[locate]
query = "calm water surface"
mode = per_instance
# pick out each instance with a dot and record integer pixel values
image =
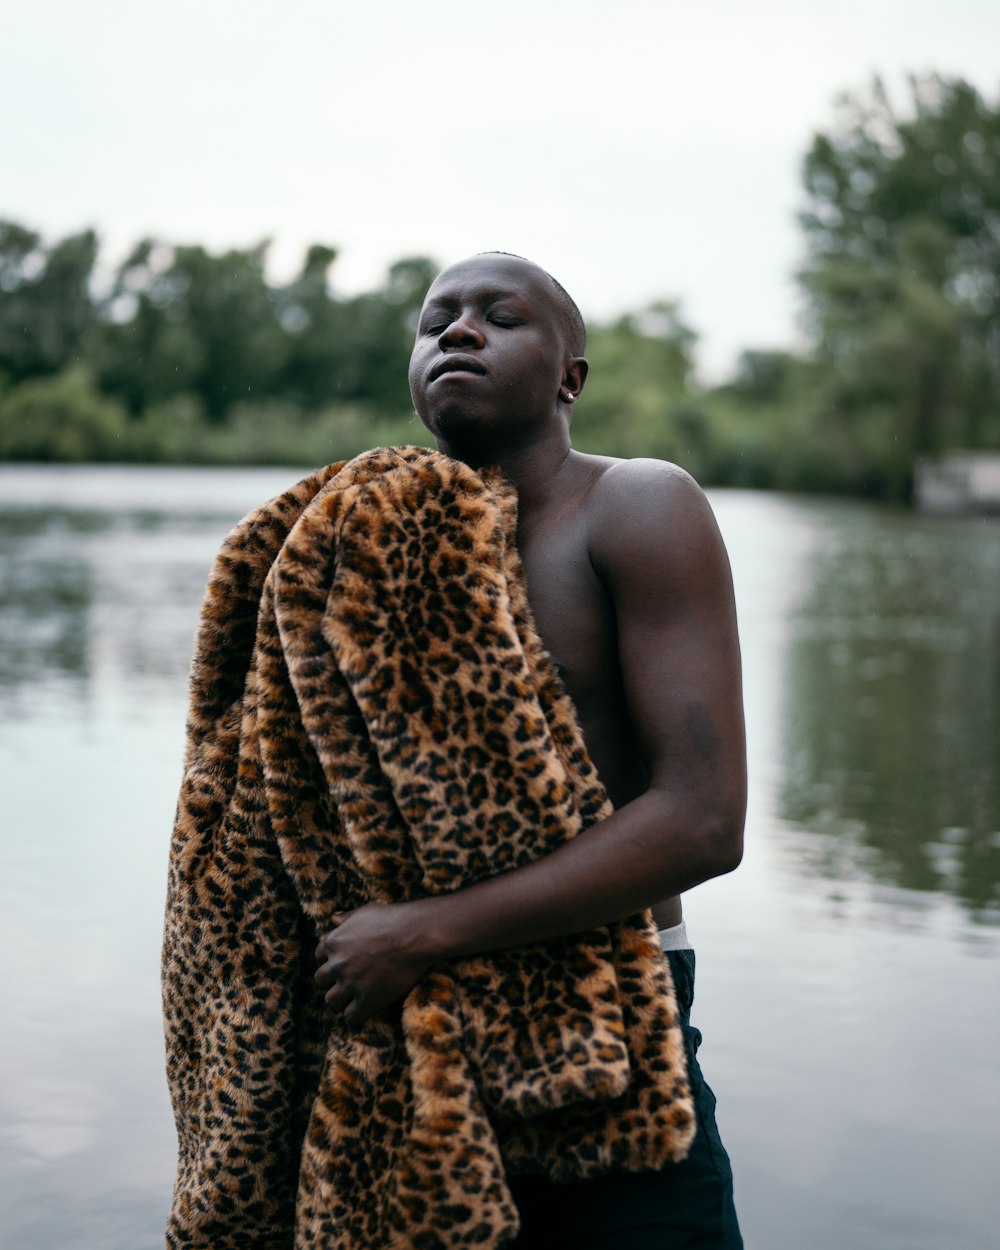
(849, 973)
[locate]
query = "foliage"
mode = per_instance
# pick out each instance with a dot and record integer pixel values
(60, 418)
(47, 317)
(903, 276)
(640, 368)
(185, 355)
(180, 320)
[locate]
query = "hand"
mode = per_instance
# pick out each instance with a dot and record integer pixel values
(372, 958)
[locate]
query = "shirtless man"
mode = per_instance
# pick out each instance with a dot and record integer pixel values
(631, 591)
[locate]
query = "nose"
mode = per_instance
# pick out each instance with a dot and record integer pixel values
(462, 332)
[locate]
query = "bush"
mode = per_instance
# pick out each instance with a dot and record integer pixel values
(62, 417)
(172, 432)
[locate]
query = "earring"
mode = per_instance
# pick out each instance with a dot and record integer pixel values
(569, 396)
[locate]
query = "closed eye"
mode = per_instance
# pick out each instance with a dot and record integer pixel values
(437, 318)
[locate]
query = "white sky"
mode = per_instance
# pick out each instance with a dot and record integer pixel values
(638, 150)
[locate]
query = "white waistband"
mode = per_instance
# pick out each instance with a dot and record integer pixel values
(675, 938)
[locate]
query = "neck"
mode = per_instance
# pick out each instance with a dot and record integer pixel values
(532, 467)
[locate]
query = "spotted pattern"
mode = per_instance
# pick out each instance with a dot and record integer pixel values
(373, 716)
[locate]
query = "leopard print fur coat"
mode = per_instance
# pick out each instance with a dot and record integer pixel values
(373, 717)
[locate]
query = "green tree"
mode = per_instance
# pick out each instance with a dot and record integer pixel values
(182, 320)
(640, 369)
(47, 316)
(60, 417)
(313, 322)
(352, 350)
(902, 225)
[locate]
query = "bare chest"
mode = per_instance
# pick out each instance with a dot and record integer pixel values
(572, 611)
(575, 618)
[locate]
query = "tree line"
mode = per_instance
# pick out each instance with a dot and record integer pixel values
(181, 354)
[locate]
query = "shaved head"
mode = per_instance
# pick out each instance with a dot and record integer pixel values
(571, 319)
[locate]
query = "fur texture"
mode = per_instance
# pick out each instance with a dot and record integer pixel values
(373, 717)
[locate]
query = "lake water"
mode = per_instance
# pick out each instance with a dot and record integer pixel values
(849, 972)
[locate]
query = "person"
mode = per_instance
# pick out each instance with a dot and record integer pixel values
(630, 587)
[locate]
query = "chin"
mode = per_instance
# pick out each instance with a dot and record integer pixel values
(456, 423)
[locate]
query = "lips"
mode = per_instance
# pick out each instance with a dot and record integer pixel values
(456, 364)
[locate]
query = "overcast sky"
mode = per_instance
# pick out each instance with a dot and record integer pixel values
(638, 150)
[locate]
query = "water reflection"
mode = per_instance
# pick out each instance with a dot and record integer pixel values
(45, 597)
(892, 716)
(101, 572)
(871, 649)
(86, 598)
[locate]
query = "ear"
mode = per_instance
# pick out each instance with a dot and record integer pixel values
(573, 380)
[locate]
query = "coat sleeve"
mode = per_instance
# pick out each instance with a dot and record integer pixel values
(235, 992)
(237, 951)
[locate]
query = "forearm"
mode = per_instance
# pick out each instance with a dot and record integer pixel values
(648, 850)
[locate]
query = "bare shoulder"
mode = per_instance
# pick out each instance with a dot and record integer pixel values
(646, 510)
(643, 483)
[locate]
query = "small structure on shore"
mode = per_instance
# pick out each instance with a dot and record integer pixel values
(960, 482)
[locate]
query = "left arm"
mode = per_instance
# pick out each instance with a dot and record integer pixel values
(657, 548)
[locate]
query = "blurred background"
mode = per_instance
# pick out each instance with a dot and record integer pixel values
(216, 227)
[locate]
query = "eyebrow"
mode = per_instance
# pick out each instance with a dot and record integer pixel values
(488, 296)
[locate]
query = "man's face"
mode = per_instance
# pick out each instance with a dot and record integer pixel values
(490, 352)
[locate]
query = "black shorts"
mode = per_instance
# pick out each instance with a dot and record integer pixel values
(685, 1205)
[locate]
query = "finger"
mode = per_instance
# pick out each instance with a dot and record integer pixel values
(354, 1014)
(339, 998)
(320, 952)
(322, 947)
(325, 976)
